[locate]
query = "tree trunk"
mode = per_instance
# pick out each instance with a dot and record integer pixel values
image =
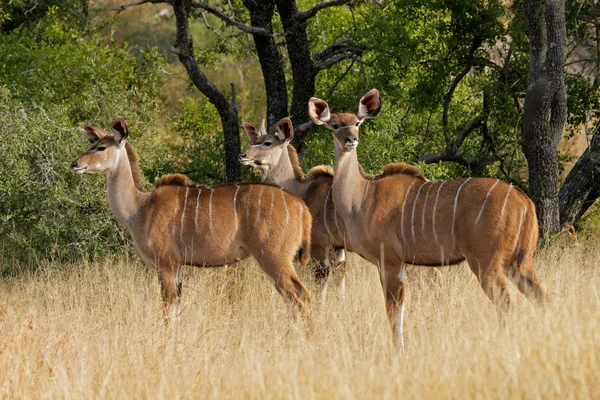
(582, 186)
(545, 108)
(261, 15)
(184, 48)
(303, 68)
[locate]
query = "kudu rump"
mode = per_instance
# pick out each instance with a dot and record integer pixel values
(411, 220)
(278, 164)
(179, 223)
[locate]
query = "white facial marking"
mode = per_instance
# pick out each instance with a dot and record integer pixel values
(248, 206)
(259, 200)
(197, 204)
(237, 189)
(454, 213)
(412, 220)
(505, 200)
(176, 209)
(325, 212)
(424, 208)
(98, 166)
(403, 207)
(210, 209)
(287, 212)
(485, 201)
(437, 197)
(187, 188)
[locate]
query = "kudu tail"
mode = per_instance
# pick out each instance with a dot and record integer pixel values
(306, 235)
(522, 271)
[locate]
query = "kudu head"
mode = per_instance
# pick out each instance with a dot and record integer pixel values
(104, 153)
(345, 125)
(266, 149)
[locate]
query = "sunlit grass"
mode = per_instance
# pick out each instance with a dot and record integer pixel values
(95, 331)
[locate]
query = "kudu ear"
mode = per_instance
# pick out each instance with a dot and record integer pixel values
(318, 111)
(92, 133)
(369, 105)
(285, 130)
(119, 130)
(252, 133)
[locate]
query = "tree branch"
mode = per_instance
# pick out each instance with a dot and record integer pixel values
(138, 3)
(321, 6)
(340, 50)
(225, 18)
(473, 167)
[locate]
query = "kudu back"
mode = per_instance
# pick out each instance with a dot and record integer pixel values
(179, 223)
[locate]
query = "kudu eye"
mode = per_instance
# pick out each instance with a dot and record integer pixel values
(101, 148)
(357, 124)
(268, 144)
(335, 126)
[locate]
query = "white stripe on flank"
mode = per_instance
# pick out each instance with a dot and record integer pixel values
(248, 206)
(183, 213)
(521, 226)
(176, 209)
(486, 199)
(197, 205)
(259, 200)
(403, 207)
(437, 197)
(424, 208)
(234, 205)
(505, 200)
(454, 213)
(272, 204)
(287, 212)
(412, 219)
(325, 212)
(210, 209)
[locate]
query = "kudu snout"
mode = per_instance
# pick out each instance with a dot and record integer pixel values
(242, 157)
(351, 141)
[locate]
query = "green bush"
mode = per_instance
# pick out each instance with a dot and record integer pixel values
(52, 79)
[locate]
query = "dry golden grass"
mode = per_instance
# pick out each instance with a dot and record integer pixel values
(95, 331)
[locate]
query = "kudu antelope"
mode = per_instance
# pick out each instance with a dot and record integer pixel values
(409, 219)
(181, 224)
(277, 161)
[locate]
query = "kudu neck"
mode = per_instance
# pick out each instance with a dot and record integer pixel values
(124, 199)
(349, 185)
(285, 173)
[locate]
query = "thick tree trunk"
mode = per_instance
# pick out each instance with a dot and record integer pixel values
(261, 15)
(545, 107)
(303, 68)
(184, 48)
(582, 186)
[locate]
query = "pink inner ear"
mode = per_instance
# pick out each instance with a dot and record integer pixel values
(251, 131)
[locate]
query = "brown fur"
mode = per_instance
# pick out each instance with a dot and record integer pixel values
(320, 171)
(134, 163)
(173, 180)
(178, 224)
(410, 220)
(402, 168)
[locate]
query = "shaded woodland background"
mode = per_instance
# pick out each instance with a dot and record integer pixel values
(454, 76)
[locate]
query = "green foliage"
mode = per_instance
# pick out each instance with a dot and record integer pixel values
(52, 79)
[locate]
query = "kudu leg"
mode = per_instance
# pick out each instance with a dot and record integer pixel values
(525, 279)
(170, 289)
(322, 262)
(395, 291)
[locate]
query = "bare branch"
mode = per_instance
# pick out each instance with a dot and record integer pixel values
(321, 6)
(340, 50)
(138, 3)
(246, 28)
(473, 167)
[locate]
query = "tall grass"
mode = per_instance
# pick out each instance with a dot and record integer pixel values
(95, 331)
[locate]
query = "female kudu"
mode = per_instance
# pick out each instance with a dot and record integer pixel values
(278, 164)
(179, 223)
(409, 219)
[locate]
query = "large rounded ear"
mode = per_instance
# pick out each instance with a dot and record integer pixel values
(285, 130)
(318, 111)
(119, 130)
(369, 105)
(252, 133)
(92, 133)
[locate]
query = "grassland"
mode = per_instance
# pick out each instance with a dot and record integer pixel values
(95, 331)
